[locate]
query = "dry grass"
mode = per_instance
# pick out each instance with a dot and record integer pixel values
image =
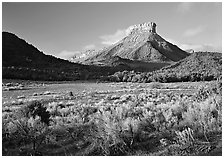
(143, 121)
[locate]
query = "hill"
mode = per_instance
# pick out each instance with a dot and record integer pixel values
(17, 52)
(199, 61)
(199, 66)
(21, 60)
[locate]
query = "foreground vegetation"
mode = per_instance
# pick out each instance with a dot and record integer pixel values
(137, 121)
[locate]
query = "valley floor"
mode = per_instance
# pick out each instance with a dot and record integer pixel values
(12, 90)
(88, 118)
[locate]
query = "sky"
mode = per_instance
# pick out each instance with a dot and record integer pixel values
(66, 29)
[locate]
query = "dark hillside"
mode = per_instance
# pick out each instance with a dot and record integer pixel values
(21, 60)
(199, 66)
(17, 52)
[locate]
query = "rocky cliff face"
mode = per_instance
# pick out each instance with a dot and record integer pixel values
(144, 27)
(142, 43)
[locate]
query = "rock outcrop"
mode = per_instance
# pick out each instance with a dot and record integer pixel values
(141, 28)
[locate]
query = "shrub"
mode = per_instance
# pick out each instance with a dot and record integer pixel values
(36, 108)
(25, 131)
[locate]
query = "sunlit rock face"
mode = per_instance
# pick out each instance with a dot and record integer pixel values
(141, 28)
(141, 43)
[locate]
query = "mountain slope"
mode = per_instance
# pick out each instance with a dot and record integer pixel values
(142, 43)
(17, 52)
(21, 60)
(198, 62)
(199, 66)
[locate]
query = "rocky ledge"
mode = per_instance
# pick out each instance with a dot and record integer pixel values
(144, 27)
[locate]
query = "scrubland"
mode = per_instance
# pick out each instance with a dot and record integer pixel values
(110, 119)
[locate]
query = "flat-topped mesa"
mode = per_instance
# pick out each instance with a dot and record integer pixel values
(144, 27)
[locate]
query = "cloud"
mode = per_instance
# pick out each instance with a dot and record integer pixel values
(193, 31)
(196, 47)
(90, 46)
(113, 38)
(67, 54)
(184, 7)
